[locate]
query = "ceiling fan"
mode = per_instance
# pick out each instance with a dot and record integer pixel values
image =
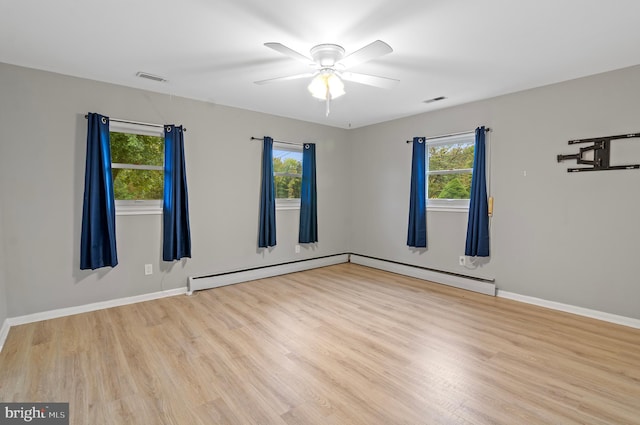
(330, 68)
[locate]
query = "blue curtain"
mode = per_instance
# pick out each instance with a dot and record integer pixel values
(308, 198)
(98, 237)
(477, 244)
(417, 234)
(175, 230)
(267, 230)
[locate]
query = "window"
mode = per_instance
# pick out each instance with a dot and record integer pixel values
(449, 171)
(137, 167)
(287, 174)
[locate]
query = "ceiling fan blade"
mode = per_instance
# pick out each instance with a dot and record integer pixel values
(281, 48)
(288, 78)
(368, 52)
(370, 80)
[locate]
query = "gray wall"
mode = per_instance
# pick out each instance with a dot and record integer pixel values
(42, 175)
(565, 237)
(569, 238)
(3, 286)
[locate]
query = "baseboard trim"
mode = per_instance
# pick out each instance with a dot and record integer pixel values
(468, 283)
(229, 278)
(70, 311)
(4, 332)
(568, 308)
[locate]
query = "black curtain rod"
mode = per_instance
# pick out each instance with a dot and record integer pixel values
(450, 135)
(136, 122)
(279, 141)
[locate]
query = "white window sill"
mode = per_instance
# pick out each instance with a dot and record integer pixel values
(285, 204)
(138, 207)
(448, 209)
(448, 205)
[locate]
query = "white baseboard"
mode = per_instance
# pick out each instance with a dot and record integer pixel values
(200, 283)
(470, 284)
(69, 311)
(581, 311)
(4, 332)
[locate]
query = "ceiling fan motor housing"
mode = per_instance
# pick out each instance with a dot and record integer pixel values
(327, 54)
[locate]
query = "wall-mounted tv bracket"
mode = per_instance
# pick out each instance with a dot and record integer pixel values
(601, 148)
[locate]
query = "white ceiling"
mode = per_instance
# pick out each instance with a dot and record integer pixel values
(213, 50)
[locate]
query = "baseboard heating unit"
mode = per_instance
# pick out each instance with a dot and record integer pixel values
(229, 278)
(483, 286)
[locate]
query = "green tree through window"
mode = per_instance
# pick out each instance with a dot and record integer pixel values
(287, 172)
(450, 170)
(137, 166)
(454, 190)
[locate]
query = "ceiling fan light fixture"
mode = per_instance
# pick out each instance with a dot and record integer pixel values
(330, 61)
(326, 85)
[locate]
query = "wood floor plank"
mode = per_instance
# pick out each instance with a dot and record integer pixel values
(344, 344)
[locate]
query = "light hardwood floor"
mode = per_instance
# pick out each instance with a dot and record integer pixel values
(343, 344)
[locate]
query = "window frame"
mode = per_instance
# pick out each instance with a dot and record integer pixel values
(448, 205)
(287, 203)
(137, 206)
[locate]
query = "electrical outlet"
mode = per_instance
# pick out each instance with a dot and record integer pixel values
(462, 260)
(297, 249)
(148, 269)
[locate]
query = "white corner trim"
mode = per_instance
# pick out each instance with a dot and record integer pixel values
(568, 308)
(4, 332)
(200, 283)
(470, 284)
(70, 311)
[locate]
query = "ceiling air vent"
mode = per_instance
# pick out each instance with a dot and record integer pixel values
(151, 77)
(435, 99)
